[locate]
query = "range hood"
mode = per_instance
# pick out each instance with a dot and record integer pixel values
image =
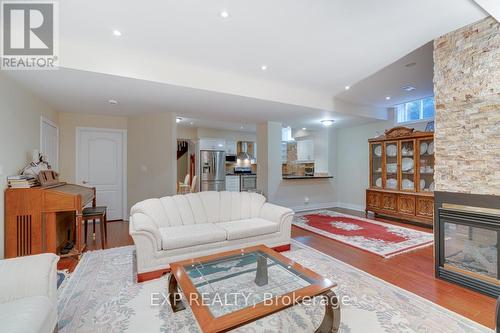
(243, 151)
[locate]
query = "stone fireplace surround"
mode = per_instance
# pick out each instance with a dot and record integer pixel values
(467, 138)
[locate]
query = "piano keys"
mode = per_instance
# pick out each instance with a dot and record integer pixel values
(33, 218)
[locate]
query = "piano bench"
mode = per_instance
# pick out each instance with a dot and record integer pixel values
(96, 213)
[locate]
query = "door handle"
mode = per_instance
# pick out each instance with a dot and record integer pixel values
(84, 182)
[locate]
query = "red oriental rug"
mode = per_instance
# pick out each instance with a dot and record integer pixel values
(380, 238)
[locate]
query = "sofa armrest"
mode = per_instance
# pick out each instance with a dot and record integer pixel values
(29, 276)
(281, 215)
(142, 225)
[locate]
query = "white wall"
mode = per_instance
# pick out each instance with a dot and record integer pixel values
(152, 156)
(352, 162)
(321, 193)
(224, 134)
(20, 113)
(268, 159)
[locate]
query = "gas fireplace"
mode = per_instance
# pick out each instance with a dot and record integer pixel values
(467, 231)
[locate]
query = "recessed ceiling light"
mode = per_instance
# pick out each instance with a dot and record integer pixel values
(327, 122)
(387, 97)
(191, 123)
(224, 14)
(409, 88)
(178, 120)
(347, 87)
(263, 67)
(112, 101)
(117, 33)
(303, 128)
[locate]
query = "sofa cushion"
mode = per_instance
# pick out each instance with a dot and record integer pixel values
(28, 315)
(190, 235)
(211, 200)
(153, 208)
(248, 228)
(171, 211)
(199, 214)
(184, 209)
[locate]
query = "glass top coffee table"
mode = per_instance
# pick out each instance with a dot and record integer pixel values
(231, 289)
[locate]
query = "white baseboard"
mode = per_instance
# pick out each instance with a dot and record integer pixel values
(314, 206)
(351, 206)
(328, 205)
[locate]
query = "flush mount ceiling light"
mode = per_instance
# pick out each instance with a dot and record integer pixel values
(224, 14)
(178, 120)
(113, 101)
(347, 87)
(409, 88)
(263, 67)
(327, 122)
(117, 33)
(387, 98)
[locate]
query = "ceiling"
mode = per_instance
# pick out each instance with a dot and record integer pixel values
(68, 90)
(312, 49)
(414, 69)
(182, 56)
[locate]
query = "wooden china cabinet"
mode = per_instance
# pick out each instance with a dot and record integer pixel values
(402, 175)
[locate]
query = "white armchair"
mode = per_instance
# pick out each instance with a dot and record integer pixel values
(28, 294)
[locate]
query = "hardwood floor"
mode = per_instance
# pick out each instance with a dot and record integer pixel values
(413, 271)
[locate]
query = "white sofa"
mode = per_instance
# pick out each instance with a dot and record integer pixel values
(180, 227)
(28, 294)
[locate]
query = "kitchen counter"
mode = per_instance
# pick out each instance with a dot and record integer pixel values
(239, 174)
(306, 177)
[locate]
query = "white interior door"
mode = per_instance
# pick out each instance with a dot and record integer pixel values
(49, 142)
(101, 163)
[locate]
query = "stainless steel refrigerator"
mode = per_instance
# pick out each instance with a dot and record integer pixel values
(212, 170)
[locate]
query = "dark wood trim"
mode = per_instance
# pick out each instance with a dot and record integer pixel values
(281, 248)
(142, 277)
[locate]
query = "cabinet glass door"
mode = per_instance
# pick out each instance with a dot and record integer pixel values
(391, 165)
(426, 165)
(376, 165)
(407, 163)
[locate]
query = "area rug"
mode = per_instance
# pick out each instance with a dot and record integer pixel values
(102, 296)
(383, 239)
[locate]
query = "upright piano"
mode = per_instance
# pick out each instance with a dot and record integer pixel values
(39, 220)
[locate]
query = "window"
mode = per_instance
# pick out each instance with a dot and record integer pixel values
(421, 109)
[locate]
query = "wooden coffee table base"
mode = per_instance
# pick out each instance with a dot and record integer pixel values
(174, 297)
(330, 323)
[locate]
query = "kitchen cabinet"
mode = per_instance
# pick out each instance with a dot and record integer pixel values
(230, 147)
(284, 153)
(305, 150)
(232, 183)
(212, 144)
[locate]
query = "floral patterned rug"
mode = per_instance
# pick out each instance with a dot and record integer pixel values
(383, 239)
(102, 296)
